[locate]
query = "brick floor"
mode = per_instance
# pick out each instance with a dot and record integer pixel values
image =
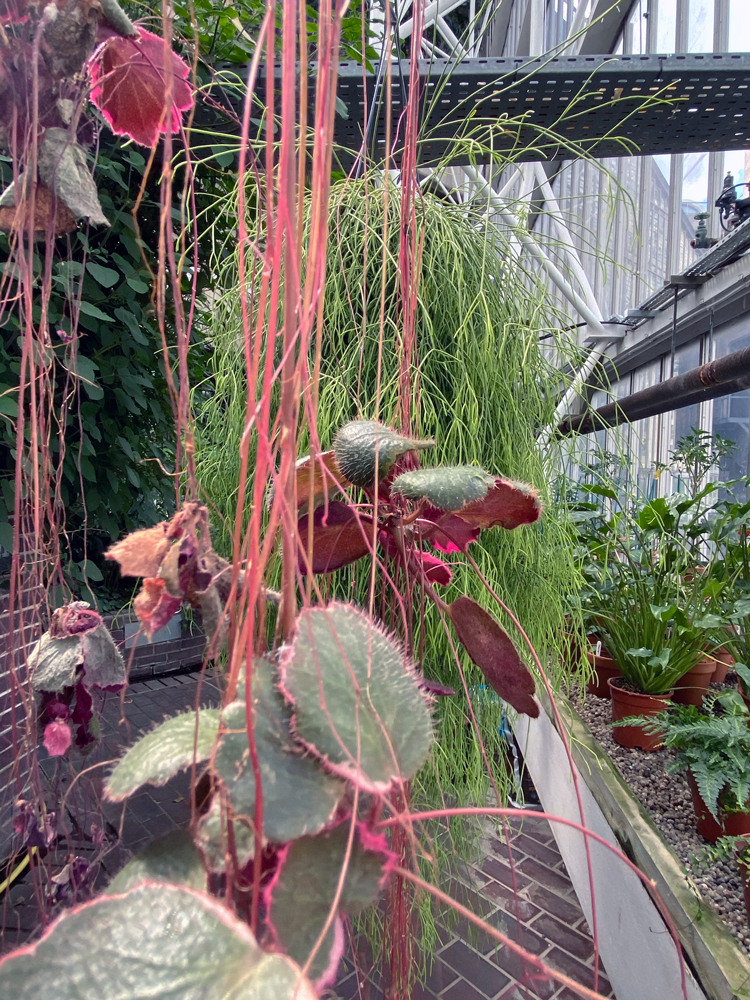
(522, 889)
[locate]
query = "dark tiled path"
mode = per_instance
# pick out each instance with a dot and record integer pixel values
(531, 899)
(543, 915)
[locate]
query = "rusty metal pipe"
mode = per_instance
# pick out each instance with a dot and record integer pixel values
(721, 377)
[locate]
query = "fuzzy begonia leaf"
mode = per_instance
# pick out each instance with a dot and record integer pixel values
(130, 82)
(340, 537)
(55, 663)
(57, 738)
(323, 478)
(363, 447)
(158, 941)
(301, 894)
(298, 796)
(478, 498)
(213, 841)
(173, 858)
(492, 650)
(154, 605)
(357, 703)
(446, 487)
(103, 664)
(140, 553)
(63, 168)
(506, 505)
(435, 570)
(448, 532)
(163, 752)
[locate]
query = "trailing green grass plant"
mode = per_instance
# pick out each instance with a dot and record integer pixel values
(483, 390)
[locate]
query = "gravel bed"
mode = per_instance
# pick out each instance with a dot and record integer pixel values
(667, 798)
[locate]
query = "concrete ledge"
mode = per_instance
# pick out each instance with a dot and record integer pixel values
(720, 965)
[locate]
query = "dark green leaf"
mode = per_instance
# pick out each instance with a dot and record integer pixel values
(95, 313)
(173, 858)
(157, 941)
(356, 699)
(104, 275)
(163, 752)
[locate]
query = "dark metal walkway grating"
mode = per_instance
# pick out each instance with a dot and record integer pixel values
(608, 105)
(613, 105)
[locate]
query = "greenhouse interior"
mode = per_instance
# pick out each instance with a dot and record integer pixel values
(356, 343)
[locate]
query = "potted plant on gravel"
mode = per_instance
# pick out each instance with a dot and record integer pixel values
(654, 647)
(712, 745)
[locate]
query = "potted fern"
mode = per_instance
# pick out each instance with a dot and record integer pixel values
(654, 644)
(713, 745)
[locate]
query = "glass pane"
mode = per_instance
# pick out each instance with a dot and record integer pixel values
(665, 25)
(635, 30)
(737, 162)
(654, 225)
(645, 435)
(694, 201)
(678, 423)
(701, 26)
(731, 414)
(739, 25)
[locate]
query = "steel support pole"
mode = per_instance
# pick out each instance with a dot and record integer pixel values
(552, 208)
(532, 247)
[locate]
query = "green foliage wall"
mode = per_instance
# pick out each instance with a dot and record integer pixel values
(110, 392)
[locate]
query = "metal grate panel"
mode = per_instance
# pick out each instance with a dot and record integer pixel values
(612, 105)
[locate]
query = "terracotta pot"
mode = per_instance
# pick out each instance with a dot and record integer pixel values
(691, 688)
(605, 668)
(626, 703)
(728, 824)
(723, 660)
(690, 574)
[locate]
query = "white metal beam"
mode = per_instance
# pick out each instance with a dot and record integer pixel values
(499, 206)
(552, 208)
(432, 11)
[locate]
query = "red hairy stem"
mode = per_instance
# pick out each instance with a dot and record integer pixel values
(546, 971)
(288, 232)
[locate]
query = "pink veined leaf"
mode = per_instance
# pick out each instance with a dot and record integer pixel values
(57, 738)
(507, 505)
(492, 650)
(456, 536)
(434, 569)
(131, 79)
(340, 537)
(154, 606)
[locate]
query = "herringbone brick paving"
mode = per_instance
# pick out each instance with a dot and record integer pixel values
(525, 892)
